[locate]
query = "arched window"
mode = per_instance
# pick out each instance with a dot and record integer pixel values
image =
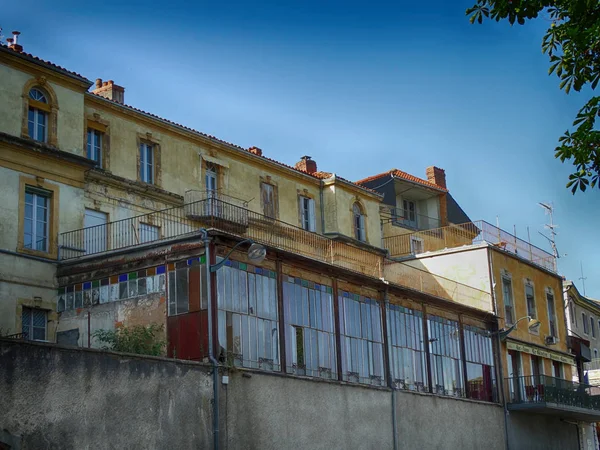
(39, 111)
(359, 222)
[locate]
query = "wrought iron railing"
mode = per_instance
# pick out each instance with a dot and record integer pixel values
(212, 213)
(545, 389)
(412, 220)
(469, 233)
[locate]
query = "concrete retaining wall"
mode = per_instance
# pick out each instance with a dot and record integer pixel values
(59, 398)
(540, 432)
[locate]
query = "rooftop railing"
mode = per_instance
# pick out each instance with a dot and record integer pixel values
(544, 389)
(214, 213)
(470, 233)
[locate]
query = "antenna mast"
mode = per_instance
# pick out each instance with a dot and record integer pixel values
(549, 209)
(582, 278)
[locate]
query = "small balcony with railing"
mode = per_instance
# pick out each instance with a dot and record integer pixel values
(411, 220)
(556, 396)
(223, 215)
(470, 233)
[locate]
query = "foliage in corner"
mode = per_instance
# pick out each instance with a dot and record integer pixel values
(143, 340)
(572, 43)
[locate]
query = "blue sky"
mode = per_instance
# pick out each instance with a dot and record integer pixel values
(361, 87)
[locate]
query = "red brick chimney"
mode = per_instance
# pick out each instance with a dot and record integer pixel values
(306, 164)
(12, 42)
(110, 90)
(436, 176)
(255, 151)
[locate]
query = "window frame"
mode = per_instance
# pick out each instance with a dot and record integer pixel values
(552, 318)
(307, 213)
(507, 277)
(146, 149)
(584, 319)
(35, 112)
(592, 327)
(147, 139)
(144, 227)
(356, 311)
(416, 242)
(52, 191)
(269, 209)
(31, 326)
(359, 221)
(406, 212)
(96, 148)
(528, 283)
(48, 108)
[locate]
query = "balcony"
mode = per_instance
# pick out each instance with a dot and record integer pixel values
(412, 220)
(555, 396)
(471, 233)
(214, 213)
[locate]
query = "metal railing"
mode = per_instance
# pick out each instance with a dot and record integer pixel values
(407, 219)
(594, 364)
(545, 389)
(212, 213)
(469, 233)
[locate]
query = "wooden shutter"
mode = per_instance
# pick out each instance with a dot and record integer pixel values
(312, 226)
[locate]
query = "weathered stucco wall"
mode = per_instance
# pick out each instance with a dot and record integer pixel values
(22, 279)
(70, 131)
(144, 310)
(466, 267)
(54, 397)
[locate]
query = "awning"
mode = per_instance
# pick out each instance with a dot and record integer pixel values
(217, 161)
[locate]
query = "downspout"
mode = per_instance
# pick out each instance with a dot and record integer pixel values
(498, 348)
(322, 208)
(390, 384)
(211, 356)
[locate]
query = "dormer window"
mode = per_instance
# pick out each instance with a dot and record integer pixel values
(37, 119)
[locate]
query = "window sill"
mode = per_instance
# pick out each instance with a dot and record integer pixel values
(39, 253)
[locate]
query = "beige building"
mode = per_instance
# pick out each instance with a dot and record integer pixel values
(115, 217)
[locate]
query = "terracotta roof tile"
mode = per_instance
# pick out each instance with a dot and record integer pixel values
(405, 176)
(48, 63)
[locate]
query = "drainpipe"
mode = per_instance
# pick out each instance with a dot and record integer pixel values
(498, 348)
(322, 208)
(389, 377)
(211, 356)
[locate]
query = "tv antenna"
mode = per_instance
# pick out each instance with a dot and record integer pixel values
(549, 209)
(582, 278)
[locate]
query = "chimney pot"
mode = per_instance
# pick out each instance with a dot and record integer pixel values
(110, 90)
(436, 176)
(255, 151)
(306, 164)
(10, 40)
